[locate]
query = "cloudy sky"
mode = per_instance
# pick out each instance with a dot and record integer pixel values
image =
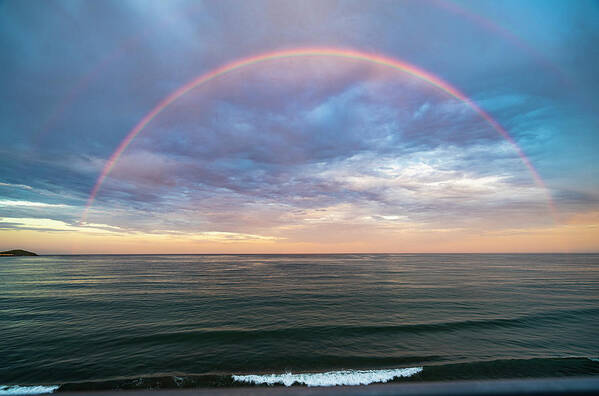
(311, 153)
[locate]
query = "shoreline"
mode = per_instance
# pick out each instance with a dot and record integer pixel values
(546, 386)
(491, 371)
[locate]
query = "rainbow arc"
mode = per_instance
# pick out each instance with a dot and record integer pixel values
(305, 52)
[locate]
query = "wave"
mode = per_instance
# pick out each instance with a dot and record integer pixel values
(363, 374)
(26, 390)
(204, 335)
(331, 378)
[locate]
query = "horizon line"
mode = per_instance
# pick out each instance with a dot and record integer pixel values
(295, 254)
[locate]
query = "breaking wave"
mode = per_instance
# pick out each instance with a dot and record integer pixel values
(331, 378)
(26, 390)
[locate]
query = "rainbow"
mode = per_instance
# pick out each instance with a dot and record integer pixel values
(300, 52)
(505, 34)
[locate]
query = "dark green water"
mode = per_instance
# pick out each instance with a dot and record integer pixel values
(107, 321)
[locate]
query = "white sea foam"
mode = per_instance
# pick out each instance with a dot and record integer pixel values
(331, 378)
(26, 390)
(594, 359)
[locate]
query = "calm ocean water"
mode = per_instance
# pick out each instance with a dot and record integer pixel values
(95, 322)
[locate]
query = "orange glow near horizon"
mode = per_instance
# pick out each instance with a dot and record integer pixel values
(575, 236)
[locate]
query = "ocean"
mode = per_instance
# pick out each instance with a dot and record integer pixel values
(169, 321)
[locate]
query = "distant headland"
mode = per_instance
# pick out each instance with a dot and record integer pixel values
(17, 252)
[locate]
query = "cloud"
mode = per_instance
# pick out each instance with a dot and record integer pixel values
(23, 186)
(50, 225)
(8, 203)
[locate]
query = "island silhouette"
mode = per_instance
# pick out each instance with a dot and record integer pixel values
(17, 252)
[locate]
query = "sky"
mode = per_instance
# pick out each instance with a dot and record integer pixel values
(306, 154)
